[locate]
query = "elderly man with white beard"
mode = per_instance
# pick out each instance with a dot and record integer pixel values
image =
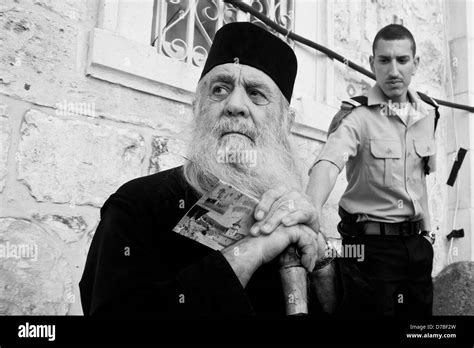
(137, 266)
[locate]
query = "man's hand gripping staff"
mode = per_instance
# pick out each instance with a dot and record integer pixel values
(285, 228)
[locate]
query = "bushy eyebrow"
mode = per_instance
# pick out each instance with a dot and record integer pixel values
(258, 85)
(248, 83)
(225, 78)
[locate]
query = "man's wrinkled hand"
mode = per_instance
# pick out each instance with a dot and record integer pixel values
(283, 206)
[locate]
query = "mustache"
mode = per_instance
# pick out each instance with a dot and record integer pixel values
(225, 126)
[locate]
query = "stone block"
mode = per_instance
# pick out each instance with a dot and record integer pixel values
(69, 9)
(35, 278)
(166, 153)
(69, 228)
(454, 289)
(459, 65)
(457, 19)
(65, 161)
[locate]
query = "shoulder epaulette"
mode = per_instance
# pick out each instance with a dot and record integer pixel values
(349, 104)
(346, 108)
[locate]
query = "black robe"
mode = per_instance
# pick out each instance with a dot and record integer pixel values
(137, 266)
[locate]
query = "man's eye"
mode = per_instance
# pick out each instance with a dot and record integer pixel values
(403, 60)
(257, 97)
(220, 92)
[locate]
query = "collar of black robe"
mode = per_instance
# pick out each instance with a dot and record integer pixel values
(246, 43)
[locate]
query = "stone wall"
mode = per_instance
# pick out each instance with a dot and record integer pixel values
(68, 141)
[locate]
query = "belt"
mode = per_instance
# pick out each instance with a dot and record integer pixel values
(406, 228)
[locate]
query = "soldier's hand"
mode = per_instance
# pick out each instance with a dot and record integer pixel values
(283, 206)
(429, 237)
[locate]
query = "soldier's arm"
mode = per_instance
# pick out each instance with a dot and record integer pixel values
(322, 179)
(343, 142)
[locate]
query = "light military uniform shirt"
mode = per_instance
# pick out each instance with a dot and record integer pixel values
(383, 159)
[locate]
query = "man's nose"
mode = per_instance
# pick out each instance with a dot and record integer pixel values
(236, 104)
(394, 69)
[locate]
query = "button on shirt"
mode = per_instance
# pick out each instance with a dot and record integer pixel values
(384, 159)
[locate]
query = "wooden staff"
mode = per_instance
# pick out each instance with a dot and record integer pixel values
(294, 280)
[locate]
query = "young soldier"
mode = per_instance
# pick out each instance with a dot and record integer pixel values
(386, 141)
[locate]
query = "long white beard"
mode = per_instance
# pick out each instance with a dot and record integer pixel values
(253, 167)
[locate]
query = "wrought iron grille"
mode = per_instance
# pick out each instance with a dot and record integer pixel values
(184, 29)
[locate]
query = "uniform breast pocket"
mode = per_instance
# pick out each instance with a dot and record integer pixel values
(386, 167)
(426, 147)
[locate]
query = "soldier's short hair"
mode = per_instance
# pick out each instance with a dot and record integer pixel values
(394, 32)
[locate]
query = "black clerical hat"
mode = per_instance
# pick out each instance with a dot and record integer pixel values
(255, 47)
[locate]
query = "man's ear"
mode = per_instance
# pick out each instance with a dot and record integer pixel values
(416, 62)
(371, 61)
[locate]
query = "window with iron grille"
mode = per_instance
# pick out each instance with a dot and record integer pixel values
(184, 29)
